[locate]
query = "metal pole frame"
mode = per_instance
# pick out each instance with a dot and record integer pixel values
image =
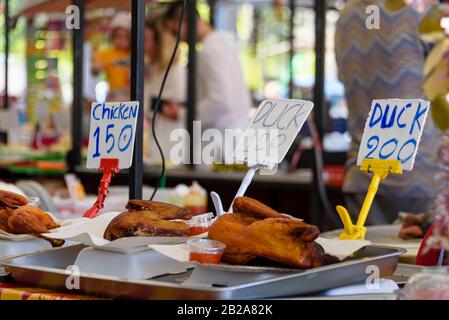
(137, 90)
(191, 73)
(316, 209)
(320, 51)
(74, 158)
(212, 7)
(292, 7)
(7, 31)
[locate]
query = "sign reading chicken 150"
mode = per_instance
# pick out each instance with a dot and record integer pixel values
(112, 133)
(272, 131)
(393, 131)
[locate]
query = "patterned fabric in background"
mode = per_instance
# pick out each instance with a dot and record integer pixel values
(381, 64)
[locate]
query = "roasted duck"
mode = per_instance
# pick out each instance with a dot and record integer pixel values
(257, 231)
(149, 219)
(415, 226)
(254, 208)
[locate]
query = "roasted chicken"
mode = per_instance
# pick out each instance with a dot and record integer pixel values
(149, 219)
(164, 211)
(5, 213)
(16, 217)
(144, 224)
(11, 200)
(257, 231)
(30, 220)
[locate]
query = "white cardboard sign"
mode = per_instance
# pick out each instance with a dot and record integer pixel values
(393, 131)
(112, 133)
(272, 131)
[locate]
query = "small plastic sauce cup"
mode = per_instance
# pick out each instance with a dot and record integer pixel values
(205, 251)
(199, 225)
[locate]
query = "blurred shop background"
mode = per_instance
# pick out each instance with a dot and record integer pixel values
(286, 49)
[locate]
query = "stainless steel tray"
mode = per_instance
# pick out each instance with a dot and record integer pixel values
(48, 270)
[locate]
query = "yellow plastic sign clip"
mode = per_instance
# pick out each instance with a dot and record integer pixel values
(380, 170)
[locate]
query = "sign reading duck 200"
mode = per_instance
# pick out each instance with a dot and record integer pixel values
(393, 131)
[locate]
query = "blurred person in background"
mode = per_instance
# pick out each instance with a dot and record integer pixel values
(380, 64)
(159, 46)
(223, 98)
(116, 61)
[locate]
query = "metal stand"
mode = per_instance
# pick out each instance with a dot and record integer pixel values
(191, 74)
(137, 87)
(74, 158)
(7, 29)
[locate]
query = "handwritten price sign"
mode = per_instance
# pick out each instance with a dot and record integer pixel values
(112, 133)
(272, 131)
(393, 131)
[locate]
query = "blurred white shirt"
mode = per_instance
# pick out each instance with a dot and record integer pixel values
(175, 89)
(223, 99)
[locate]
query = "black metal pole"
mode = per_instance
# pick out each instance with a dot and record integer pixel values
(292, 47)
(212, 6)
(320, 51)
(7, 29)
(191, 77)
(74, 158)
(316, 209)
(137, 87)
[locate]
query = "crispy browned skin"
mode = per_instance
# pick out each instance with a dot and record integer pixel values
(34, 221)
(230, 230)
(5, 213)
(255, 208)
(260, 232)
(414, 226)
(165, 211)
(144, 224)
(30, 220)
(12, 200)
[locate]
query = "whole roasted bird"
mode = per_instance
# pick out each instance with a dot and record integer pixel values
(149, 219)
(257, 231)
(9, 201)
(164, 211)
(16, 217)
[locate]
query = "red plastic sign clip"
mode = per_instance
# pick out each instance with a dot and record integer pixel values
(109, 167)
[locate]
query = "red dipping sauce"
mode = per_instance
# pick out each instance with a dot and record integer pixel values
(194, 231)
(205, 251)
(206, 258)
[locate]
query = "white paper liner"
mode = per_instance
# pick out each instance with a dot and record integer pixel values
(335, 247)
(90, 233)
(25, 237)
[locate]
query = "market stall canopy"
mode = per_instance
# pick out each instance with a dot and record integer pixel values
(50, 6)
